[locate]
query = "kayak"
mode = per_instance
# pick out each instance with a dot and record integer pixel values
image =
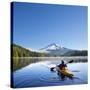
(65, 72)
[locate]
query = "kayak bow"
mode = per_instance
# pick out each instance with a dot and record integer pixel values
(65, 72)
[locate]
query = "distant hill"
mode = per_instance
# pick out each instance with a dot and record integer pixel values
(19, 51)
(76, 53)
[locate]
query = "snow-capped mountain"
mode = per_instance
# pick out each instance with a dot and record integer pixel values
(54, 49)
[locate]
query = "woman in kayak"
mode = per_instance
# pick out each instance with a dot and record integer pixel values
(62, 66)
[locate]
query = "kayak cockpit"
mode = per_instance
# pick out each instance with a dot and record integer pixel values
(65, 72)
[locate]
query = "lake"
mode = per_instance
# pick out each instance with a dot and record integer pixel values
(36, 72)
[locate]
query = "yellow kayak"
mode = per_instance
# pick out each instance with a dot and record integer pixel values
(65, 72)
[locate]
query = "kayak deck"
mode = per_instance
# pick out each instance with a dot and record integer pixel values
(65, 72)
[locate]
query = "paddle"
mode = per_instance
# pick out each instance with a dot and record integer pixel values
(70, 61)
(52, 68)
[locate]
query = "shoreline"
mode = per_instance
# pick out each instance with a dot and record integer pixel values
(83, 57)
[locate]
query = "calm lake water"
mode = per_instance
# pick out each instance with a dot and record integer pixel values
(38, 74)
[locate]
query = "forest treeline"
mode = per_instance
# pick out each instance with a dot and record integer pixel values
(19, 51)
(77, 53)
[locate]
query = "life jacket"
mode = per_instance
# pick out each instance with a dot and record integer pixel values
(62, 66)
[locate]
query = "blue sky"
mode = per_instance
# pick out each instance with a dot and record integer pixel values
(37, 25)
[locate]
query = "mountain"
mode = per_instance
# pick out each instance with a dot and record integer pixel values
(49, 50)
(53, 49)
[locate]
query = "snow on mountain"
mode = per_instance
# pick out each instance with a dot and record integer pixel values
(54, 49)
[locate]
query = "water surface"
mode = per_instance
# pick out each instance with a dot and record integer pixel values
(38, 74)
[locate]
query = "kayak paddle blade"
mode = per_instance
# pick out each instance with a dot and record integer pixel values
(70, 61)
